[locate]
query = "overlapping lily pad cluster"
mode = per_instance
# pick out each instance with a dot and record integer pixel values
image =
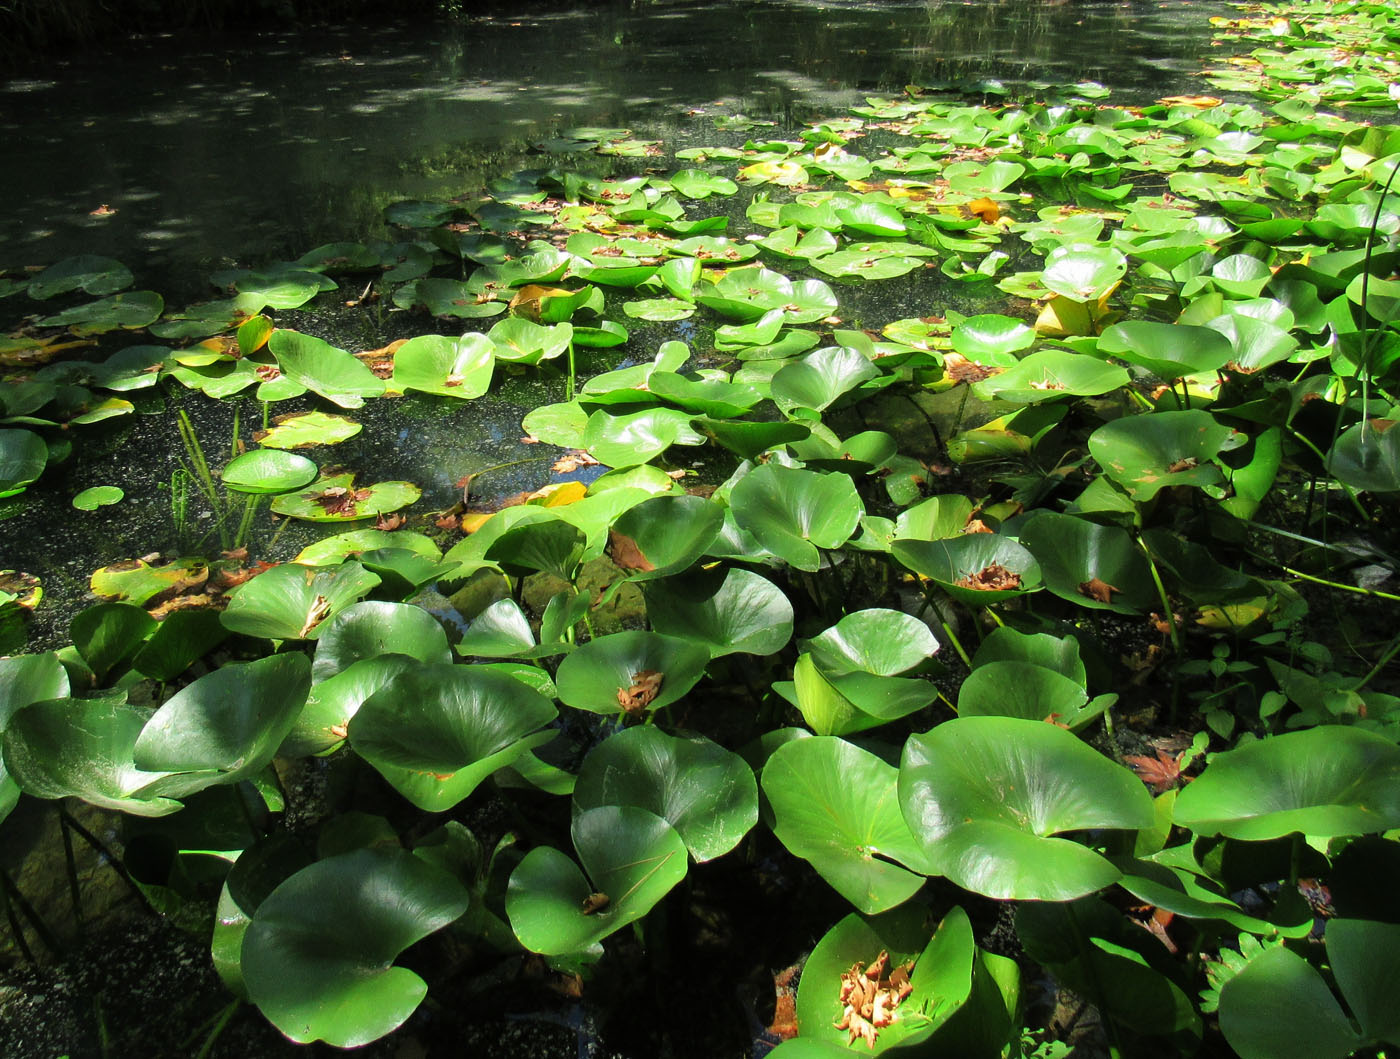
(1180, 387)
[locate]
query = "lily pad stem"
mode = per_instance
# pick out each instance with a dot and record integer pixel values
(15, 899)
(222, 1021)
(1167, 614)
(948, 629)
(112, 860)
(1341, 587)
(1384, 661)
(71, 863)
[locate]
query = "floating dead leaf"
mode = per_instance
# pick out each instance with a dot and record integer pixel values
(976, 525)
(626, 554)
(594, 903)
(645, 687)
(26, 588)
(268, 372)
(572, 461)
(450, 521)
(102, 211)
(389, 523)
(1202, 102)
(870, 997)
(1182, 465)
(340, 731)
(186, 602)
(959, 369)
(1098, 589)
(1161, 773)
(985, 209)
(993, 578)
(337, 500)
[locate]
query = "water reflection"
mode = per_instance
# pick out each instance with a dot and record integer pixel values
(261, 145)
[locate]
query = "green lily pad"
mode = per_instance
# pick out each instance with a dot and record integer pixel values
(131, 310)
(1326, 782)
(137, 581)
(293, 602)
(1095, 566)
(303, 429)
(335, 498)
(61, 748)
(86, 272)
(324, 369)
(991, 335)
(372, 628)
(1051, 373)
(107, 635)
(225, 726)
(835, 805)
(318, 955)
(821, 377)
(794, 512)
(437, 730)
(98, 496)
(1366, 456)
(1169, 351)
(1083, 273)
(448, 367)
(985, 797)
(522, 341)
(1148, 453)
(705, 792)
(331, 550)
(268, 471)
(632, 858)
(727, 610)
(629, 440)
(599, 675)
(664, 535)
(324, 721)
(1023, 689)
(883, 642)
(23, 455)
(977, 569)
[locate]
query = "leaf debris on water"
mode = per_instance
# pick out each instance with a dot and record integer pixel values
(646, 684)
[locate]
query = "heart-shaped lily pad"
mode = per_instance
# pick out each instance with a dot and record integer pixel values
(664, 535)
(337, 498)
(268, 471)
(705, 792)
(1094, 566)
(225, 726)
(977, 569)
(1327, 782)
(318, 955)
(727, 610)
(292, 602)
(1145, 454)
(448, 367)
(373, 627)
(630, 672)
(22, 458)
(793, 512)
(632, 859)
(322, 368)
(985, 796)
(436, 731)
(836, 806)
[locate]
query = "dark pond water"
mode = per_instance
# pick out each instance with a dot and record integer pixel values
(257, 146)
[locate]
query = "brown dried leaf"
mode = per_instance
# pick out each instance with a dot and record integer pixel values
(626, 554)
(993, 578)
(572, 461)
(389, 523)
(337, 500)
(1098, 589)
(1161, 773)
(320, 611)
(870, 997)
(645, 687)
(595, 902)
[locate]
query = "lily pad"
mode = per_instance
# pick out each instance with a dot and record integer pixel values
(705, 792)
(131, 310)
(664, 535)
(835, 805)
(632, 858)
(1169, 351)
(1095, 566)
(437, 730)
(98, 496)
(292, 602)
(23, 455)
(318, 956)
(86, 272)
(794, 512)
(601, 675)
(303, 429)
(324, 369)
(1145, 454)
(372, 628)
(977, 569)
(335, 498)
(268, 471)
(448, 367)
(985, 797)
(1326, 782)
(727, 610)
